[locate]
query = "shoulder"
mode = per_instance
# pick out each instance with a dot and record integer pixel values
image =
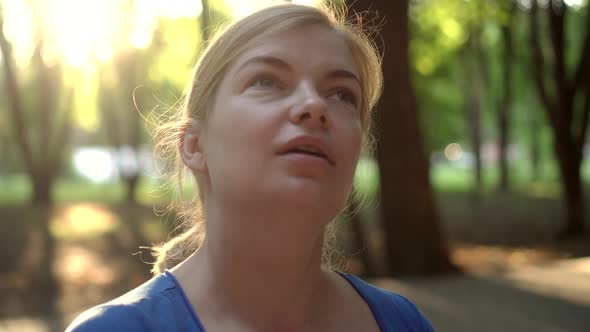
(114, 317)
(146, 308)
(393, 311)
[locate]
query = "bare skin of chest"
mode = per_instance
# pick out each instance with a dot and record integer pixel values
(346, 312)
(347, 321)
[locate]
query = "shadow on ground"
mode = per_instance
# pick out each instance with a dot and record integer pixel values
(517, 280)
(522, 300)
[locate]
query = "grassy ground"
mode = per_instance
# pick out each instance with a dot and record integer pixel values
(16, 189)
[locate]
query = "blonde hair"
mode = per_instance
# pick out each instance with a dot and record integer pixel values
(209, 70)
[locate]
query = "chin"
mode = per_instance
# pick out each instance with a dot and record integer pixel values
(311, 194)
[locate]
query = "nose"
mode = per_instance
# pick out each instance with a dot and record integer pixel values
(310, 109)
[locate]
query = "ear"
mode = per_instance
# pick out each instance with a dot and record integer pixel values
(190, 149)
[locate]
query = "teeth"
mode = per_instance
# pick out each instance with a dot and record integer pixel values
(309, 149)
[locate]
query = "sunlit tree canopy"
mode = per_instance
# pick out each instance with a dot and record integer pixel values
(82, 32)
(86, 37)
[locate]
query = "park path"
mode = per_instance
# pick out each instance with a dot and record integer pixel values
(553, 297)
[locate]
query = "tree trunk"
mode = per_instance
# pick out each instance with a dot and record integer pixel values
(569, 168)
(131, 183)
(414, 241)
(121, 107)
(42, 188)
(569, 131)
(535, 148)
(46, 284)
(503, 119)
(16, 104)
(360, 241)
(41, 165)
(472, 98)
(504, 169)
(472, 109)
(575, 206)
(46, 277)
(570, 162)
(205, 21)
(133, 72)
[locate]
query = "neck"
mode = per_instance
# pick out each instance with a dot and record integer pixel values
(264, 269)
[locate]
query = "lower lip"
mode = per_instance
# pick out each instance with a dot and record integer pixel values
(306, 159)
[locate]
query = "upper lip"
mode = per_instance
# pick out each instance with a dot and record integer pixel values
(308, 141)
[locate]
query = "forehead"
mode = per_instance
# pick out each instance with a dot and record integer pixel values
(303, 47)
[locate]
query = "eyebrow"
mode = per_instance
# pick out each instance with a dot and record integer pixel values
(342, 73)
(276, 62)
(268, 60)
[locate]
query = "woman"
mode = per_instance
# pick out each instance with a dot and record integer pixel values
(274, 122)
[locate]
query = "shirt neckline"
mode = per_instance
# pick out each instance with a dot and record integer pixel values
(350, 279)
(187, 303)
(356, 284)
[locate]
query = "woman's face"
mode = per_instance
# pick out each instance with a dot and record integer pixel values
(285, 124)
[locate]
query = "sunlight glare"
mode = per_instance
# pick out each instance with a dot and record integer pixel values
(94, 164)
(147, 13)
(18, 28)
(82, 31)
(83, 267)
(241, 8)
(104, 53)
(140, 38)
(83, 220)
(145, 21)
(77, 29)
(454, 152)
(574, 3)
(174, 9)
(307, 2)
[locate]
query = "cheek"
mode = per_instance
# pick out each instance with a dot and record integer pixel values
(352, 139)
(238, 126)
(350, 147)
(240, 136)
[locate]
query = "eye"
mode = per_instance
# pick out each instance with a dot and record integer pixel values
(346, 96)
(264, 82)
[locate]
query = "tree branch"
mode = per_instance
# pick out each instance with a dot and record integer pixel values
(556, 23)
(130, 69)
(581, 139)
(564, 95)
(107, 106)
(539, 64)
(64, 127)
(15, 101)
(507, 58)
(583, 68)
(205, 21)
(49, 84)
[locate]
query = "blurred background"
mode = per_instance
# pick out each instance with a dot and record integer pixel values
(472, 204)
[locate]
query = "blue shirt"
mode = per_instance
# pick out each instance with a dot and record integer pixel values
(161, 305)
